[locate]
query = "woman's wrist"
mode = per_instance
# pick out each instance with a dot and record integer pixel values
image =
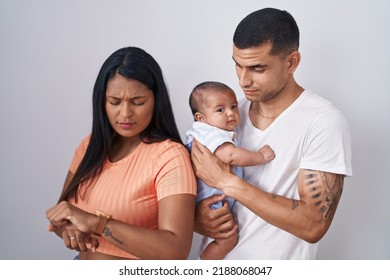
(102, 219)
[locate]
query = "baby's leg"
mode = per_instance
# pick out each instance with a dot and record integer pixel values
(219, 248)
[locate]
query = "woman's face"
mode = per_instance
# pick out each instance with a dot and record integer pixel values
(129, 106)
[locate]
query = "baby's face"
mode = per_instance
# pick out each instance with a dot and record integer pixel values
(220, 109)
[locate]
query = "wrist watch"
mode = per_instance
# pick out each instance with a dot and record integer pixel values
(103, 219)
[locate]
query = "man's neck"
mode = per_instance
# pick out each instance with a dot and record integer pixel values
(262, 114)
(272, 108)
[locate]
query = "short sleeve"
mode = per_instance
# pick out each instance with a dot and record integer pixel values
(210, 136)
(79, 154)
(328, 145)
(174, 172)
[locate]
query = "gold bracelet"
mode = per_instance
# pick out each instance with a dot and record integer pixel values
(103, 219)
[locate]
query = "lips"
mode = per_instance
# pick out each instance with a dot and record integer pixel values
(250, 92)
(126, 125)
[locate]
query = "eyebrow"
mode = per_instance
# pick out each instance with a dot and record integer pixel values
(223, 105)
(120, 98)
(252, 66)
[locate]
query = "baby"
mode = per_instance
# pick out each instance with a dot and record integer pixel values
(215, 109)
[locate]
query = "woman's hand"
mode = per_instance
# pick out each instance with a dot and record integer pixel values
(75, 240)
(73, 225)
(70, 217)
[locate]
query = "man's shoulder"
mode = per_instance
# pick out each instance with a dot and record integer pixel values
(317, 104)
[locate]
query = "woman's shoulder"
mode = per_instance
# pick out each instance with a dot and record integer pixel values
(83, 144)
(165, 145)
(85, 140)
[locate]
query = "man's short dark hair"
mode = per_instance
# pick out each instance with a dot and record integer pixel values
(268, 25)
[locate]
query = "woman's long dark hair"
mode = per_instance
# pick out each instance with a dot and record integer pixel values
(132, 63)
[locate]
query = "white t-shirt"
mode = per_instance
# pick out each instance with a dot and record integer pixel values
(310, 134)
(210, 136)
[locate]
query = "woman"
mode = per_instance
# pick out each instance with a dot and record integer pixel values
(130, 189)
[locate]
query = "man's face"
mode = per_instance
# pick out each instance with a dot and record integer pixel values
(262, 76)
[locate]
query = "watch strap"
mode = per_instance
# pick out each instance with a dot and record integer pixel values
(103, 219)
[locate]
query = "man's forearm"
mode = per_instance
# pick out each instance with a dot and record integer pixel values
(293, 216)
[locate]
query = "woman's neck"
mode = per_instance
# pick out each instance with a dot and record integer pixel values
(122, 147)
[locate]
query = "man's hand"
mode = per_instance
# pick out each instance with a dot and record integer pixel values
(207, 166)
(218, 223)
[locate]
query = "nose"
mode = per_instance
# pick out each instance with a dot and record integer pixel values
(244, 78)
(126, 110)
(229, 112)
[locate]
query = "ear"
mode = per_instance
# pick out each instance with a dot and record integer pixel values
(199, 117)
(294, 59)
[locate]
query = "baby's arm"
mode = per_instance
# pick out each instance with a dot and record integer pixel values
(233, 155)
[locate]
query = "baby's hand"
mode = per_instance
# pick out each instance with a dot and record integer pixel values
(267, 153)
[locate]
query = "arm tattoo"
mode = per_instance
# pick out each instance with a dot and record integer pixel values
(107, 232)
(333, 187)
(325, 189)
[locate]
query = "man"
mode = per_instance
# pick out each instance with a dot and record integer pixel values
(285, 207)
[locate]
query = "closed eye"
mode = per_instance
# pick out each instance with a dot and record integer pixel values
(259, 69)
(114, 101)
(137, 102)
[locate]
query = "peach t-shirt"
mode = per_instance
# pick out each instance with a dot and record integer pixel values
(130, 189)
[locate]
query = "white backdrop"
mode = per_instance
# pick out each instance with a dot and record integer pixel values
(51, 51)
